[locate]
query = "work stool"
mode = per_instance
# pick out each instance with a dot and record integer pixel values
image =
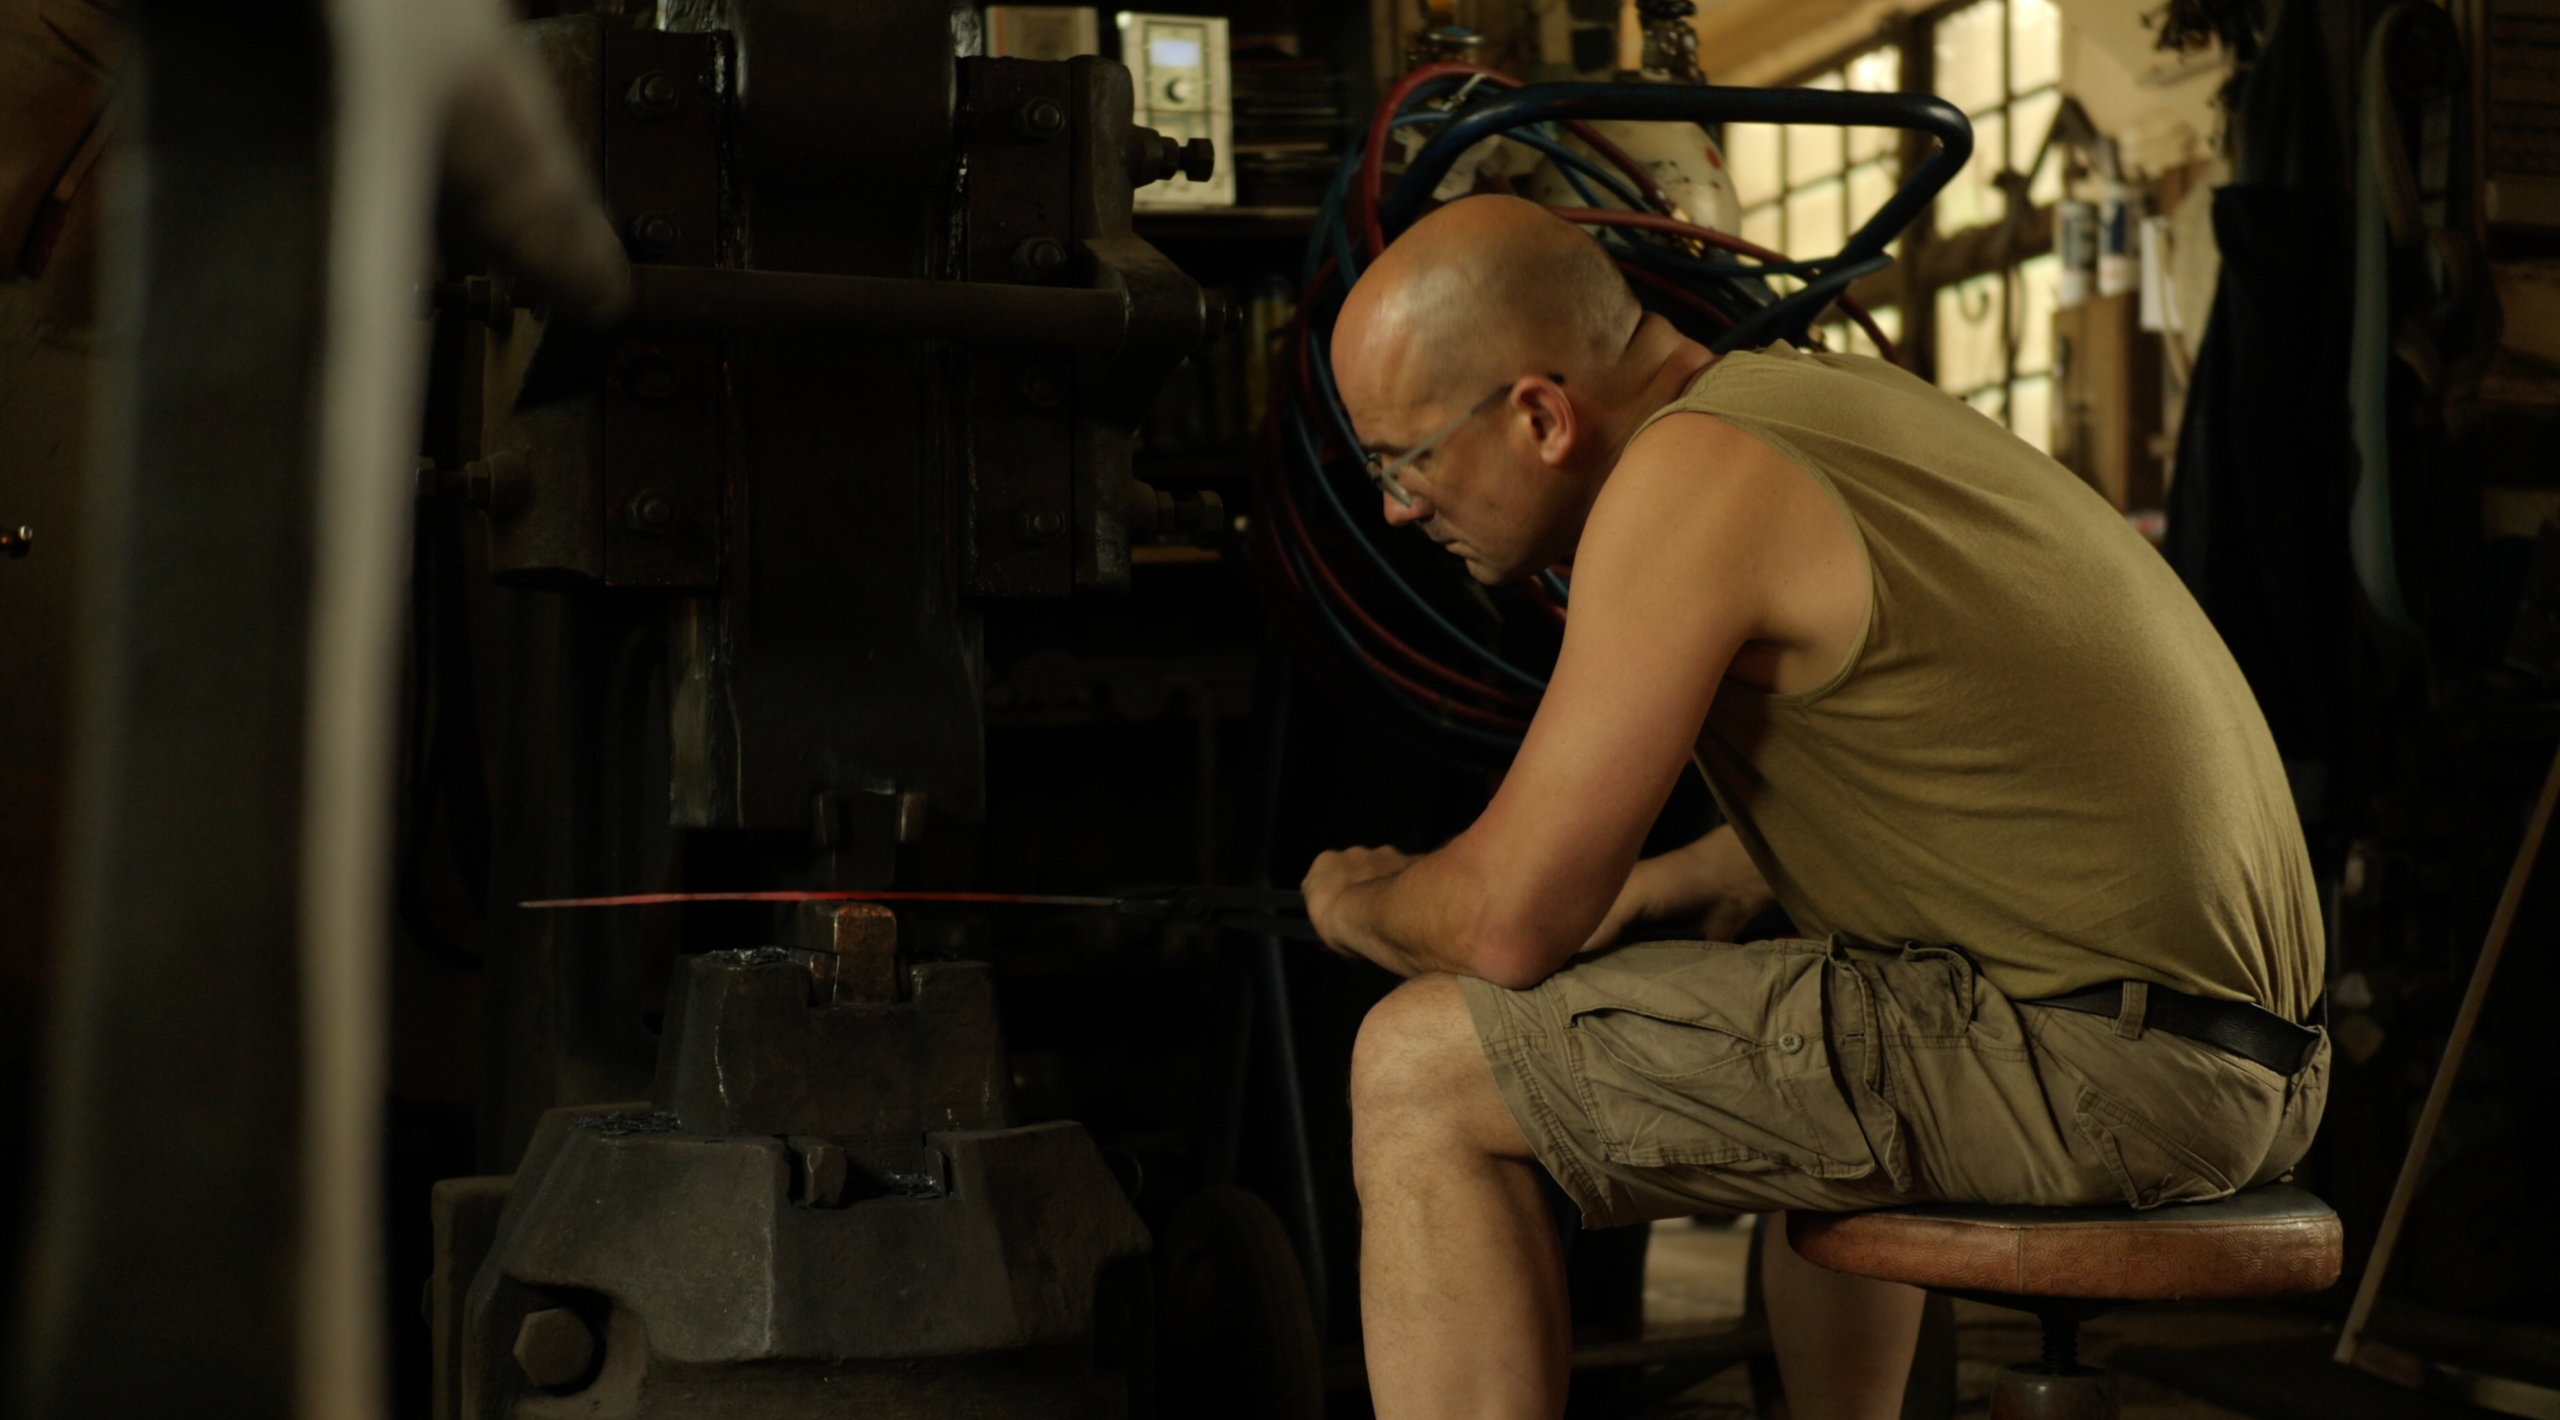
(2067, 1265)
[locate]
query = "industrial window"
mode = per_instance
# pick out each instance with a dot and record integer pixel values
(1804, 189)
(1980, 289)
(2001, 62)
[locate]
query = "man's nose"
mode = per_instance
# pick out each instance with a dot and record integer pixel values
(1399, 514)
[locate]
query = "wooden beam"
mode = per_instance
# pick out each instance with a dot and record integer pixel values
(1742, 30)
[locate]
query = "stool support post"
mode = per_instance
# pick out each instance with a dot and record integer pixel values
(2061, 1343)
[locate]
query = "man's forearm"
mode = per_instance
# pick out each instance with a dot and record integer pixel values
(1393, 922)
(1435, 915)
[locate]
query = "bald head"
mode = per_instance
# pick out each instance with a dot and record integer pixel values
(1484, 290)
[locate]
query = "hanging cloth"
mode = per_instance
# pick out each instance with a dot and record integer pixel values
(2425, 314)
(2257, 513)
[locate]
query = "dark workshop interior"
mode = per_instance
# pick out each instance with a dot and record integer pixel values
(668, 667)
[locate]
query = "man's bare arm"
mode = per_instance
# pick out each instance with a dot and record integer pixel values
(1711, 887)
(1692, 552)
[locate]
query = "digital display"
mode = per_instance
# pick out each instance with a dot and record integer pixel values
(1173, 53)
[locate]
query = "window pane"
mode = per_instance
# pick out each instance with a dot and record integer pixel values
(1973, 199)
(1878, 71)
(1970, 350)
(1968, 51)
(1813, 220)
(1760, 225)
(1813, 149)
(1854, 339)
(1889, 320)
(2029, 118)
(1870, 184)
(1813, 153)
(2035, 45)
(2031, 411)
(1751, 154)
(2038, 281)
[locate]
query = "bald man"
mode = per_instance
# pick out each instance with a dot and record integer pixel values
(2060, 932)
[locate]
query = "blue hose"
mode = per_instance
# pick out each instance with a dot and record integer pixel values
(1733, 286)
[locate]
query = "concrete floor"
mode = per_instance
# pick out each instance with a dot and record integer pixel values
(1694, 1282)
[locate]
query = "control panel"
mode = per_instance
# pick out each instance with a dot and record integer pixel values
(1180, 65)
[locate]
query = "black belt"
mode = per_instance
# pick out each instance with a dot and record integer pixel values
(2247, 1030)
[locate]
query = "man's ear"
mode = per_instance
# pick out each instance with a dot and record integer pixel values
(1551, 421)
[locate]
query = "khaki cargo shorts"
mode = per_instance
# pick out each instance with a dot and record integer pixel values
(1668, 1078)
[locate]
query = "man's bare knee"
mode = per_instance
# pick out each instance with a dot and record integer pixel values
(1417, 1069)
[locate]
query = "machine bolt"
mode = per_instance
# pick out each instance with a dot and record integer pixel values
(495, 485)
(1038, 259)
(555, 1348)
(1041, 522)
(652, 96)
(655, 234)
(1040, 119)
(650, 377)
(1040, 388)
(18, 541)
(1151, 156)
(1199, 160)
(648, 511)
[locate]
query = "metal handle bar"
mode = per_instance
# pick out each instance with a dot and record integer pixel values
(1706, 103)
(1791, 316)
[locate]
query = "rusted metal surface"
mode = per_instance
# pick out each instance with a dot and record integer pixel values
(615, 444)
(746, 1053)
(1168, 314)
(544, 421)
(661, 110)
(843, 402)
(863, 936)
(821, 1201)
(1014, 127)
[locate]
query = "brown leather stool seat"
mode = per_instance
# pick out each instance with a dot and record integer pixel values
(2069, 1264)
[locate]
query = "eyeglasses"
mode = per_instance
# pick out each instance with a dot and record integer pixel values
(1388, 473)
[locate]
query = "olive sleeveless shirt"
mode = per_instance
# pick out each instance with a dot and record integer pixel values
(2039, 750)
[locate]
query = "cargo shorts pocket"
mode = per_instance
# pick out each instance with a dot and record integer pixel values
(2148, 1166)
(2171, 1120)
(1723, 1062)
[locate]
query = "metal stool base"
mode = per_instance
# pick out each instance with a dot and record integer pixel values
(2031, 1392)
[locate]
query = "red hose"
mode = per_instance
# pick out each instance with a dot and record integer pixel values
(1653, 222)
(1436, 701)
(1373, 156)
(1278, 494)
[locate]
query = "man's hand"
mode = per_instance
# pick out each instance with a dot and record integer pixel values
(1712, 882)
(1333, 907)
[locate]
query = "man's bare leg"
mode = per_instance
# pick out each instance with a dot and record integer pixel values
(1462, 1294)
(1844, 1343)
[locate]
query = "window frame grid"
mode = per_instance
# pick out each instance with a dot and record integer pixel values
(1931, 259)
(1781, 202)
